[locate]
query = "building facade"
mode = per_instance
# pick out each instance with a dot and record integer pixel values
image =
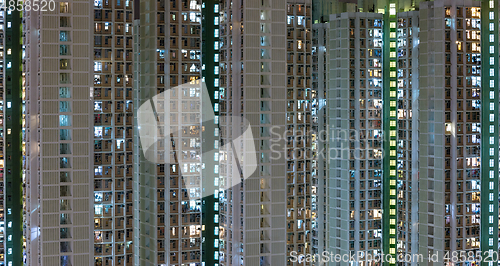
(59, 134)
(432, 70)
(457, 165)
(375, 130)
(266, 78)
(113, 132)
(177, 178)
(13, 195)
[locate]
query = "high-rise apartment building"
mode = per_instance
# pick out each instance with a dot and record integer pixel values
(112, 43)
(432, 65)
(362, 93)
(59, 133)
(376, 130)
(355, 107)
(372, 108)
(266, 78)
(163, 236)
(372, 122)
(89, 194)
(177, 178)
(457, 166)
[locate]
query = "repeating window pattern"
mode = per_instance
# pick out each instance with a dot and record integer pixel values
(356, 127)
(407, 135)
(301, 163)
(113, 132)
(177, 60)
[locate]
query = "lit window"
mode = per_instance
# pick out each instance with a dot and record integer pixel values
(64, 36)
(64, 120)
(193, 4)
(192, 68)
(97, 66)
(392, 10)
(98, 209)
